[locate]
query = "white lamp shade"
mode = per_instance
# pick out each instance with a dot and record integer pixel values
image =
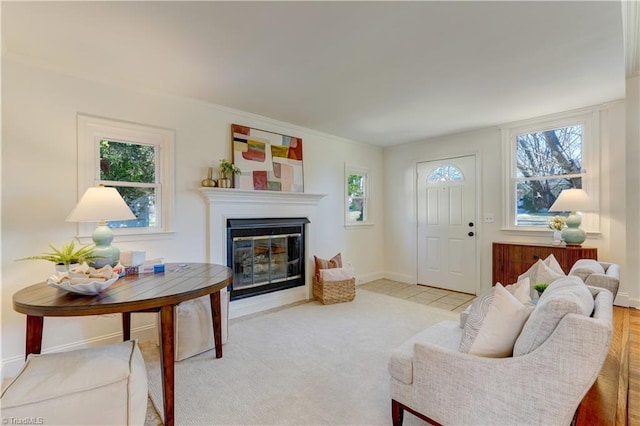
(572, 200)
(98, 204)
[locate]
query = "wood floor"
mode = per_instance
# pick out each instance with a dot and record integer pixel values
(614, 398)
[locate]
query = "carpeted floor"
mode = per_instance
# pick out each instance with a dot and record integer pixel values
(310, 364)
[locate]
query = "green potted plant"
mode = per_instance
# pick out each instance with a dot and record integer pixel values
(66, 255)
(227, 170)
(540, 288)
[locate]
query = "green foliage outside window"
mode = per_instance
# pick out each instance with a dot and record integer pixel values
(131, 169)
(356, 194)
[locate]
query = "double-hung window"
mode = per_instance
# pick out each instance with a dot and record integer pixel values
(543, 158)
(135, 159)
(357, 196)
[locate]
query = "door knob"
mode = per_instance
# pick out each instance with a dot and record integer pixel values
(471, 234)
(470, 224)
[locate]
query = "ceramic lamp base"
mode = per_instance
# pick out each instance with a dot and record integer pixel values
(107, 254)
(572, 234)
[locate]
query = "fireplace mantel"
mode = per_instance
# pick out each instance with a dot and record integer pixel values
(230, 203)
(245, 196)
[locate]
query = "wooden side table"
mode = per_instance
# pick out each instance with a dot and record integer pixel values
(510, 260)
(159, 292)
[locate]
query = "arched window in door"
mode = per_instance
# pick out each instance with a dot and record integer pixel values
(446, 173)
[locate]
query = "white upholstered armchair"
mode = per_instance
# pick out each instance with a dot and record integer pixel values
(541, 384)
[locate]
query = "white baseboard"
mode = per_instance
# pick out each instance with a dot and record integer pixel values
(403, 278)
(255, 304)
(11, 366)
(365, 278)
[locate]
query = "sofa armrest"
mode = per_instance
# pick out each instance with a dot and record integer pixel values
(609, 280)
(457, 388)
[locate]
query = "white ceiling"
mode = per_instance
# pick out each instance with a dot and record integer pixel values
(383, 73)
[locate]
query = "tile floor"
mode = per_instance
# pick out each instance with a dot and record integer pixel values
(432, 296)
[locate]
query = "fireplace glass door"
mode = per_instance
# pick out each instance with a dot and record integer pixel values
(265, 258)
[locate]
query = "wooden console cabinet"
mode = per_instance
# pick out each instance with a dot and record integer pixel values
(510, 260)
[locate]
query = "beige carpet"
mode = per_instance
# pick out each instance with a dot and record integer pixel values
(309, 364)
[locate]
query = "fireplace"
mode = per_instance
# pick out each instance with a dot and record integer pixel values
(266, 255)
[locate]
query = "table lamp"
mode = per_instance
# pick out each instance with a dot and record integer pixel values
(572, 200)
(100, 204)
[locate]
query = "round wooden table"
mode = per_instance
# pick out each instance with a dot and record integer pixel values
(153, 292)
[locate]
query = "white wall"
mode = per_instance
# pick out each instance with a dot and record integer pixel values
(632, 275)
(39, 186)
(400, 206)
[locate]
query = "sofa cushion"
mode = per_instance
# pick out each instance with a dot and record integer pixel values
(102, 385)
(564, 296)
(501, 326)
(445, 334)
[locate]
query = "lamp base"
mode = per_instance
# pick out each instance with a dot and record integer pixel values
(572, 234)
(109, 255)
(105, 252)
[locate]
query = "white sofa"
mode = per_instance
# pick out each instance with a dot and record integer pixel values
(106, 385)
(556, 358)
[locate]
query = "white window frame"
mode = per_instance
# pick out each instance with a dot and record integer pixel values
(92, 130)
(362, 171)
(589, 119)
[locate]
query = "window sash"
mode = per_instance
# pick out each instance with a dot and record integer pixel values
(363, 194)
(92, 130)
(589, 119)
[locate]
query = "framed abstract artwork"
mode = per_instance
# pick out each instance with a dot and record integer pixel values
(268, 161)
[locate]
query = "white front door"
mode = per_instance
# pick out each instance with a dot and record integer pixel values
(447, 224)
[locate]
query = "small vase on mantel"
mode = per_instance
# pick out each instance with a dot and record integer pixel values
(557, 238)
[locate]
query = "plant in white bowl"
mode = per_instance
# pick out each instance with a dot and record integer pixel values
(67, 255)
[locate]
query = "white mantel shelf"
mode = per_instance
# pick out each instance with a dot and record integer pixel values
(246, 196)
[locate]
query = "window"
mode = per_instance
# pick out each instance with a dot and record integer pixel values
(446, 173)
(546, 157)
(138, 161)
(357, 196)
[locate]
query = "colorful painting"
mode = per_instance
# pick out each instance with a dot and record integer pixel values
(268, 161)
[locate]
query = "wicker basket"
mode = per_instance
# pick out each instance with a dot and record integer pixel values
(328, 292)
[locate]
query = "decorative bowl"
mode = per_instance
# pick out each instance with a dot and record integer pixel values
(84, 280)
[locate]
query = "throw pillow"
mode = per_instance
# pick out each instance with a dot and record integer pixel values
(522, 291)
(501, 327)
(336, 274)
(546, 274)
(477, 313)
(543, 271)
(334, 262)
(565, 296)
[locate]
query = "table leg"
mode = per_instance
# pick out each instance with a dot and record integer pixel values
(167, 360)
(216, 313)
(34, 335)
(126, 326)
